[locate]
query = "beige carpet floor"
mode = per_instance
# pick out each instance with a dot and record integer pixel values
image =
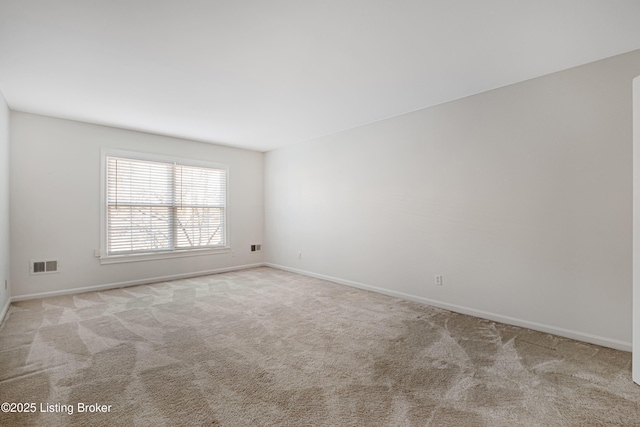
(264, 347)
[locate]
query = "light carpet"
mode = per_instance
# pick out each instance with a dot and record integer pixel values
(264, 347)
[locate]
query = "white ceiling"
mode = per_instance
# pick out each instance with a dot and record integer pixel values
(263, 74)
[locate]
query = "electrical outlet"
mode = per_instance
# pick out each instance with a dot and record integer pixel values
(299, 255)
(438, 280)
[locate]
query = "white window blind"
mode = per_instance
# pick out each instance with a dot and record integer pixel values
(156, 206)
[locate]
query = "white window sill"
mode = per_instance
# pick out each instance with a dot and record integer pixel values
(116, 259)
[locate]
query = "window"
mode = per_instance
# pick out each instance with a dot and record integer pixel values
(158, 206)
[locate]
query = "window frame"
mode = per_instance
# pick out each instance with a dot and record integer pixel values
(103, 254)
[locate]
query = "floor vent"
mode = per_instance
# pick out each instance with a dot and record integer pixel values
(44, 266)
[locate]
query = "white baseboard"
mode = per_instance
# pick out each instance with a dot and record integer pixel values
(132, 283)
(580, 336)
(4, 310)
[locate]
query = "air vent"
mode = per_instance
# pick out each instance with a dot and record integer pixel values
(256, 248)
(44, 266)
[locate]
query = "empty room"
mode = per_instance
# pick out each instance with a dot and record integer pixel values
(330, 213)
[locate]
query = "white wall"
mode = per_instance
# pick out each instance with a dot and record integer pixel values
(636, 230)
(4, 206)
(520, 197)
(55, 203)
